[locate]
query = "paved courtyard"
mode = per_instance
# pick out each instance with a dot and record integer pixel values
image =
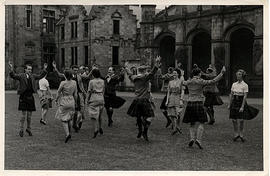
(119, 149)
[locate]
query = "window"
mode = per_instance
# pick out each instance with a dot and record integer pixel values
(63, 32)
(63, 57)
(74, 56)
(85, 30)
(49, 54)
(115, 55)
(115, 26)
(48, 21)
(28, 16)
(74, 29)
(86, 55)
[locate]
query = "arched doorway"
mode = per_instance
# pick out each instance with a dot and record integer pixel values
(201, 50)
(166, 51)
(241, 52)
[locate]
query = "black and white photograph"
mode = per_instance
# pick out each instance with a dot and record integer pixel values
(135, 87)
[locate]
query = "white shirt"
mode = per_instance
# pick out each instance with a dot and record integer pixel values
(43, 84)
(239, 88)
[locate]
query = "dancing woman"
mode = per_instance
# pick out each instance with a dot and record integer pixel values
(239, 109)
(211, 94)
(111, 100)
(141, 106)
(195, 112)
(45, 97)
(167, 78)
(174, 103)
(95, 101)
(65, 98)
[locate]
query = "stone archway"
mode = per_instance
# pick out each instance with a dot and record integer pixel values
(239, 50)
(166, 48)
(201, 50)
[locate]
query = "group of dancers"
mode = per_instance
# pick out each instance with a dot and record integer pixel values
(76, 101)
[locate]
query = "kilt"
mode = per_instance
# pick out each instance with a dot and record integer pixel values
(248, 113)
(26, 102)
(212, 99)
(195, 112)
(113, 101)
(141, 107)
(163, 103)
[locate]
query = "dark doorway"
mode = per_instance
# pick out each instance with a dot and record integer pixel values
(167, 48)
(201, 50)
(241, 52)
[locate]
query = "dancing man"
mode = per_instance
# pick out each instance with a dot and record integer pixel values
(211, 94)
(26, 89)
(141, 106)
(111, 100)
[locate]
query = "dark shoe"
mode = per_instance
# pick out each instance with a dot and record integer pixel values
(42, 122)
(190, 144)
(110, 123)
(95, 134)
(174, 132)
(80, 125)
(68, 138)
(168, 123)
(76, 129)
(179, 130)
(21, 133)
(242, 139)
(100, 131)
(139, 134)
(145, 136)
(235, 138)
(211, 123)
(29, 132)
(198, 144)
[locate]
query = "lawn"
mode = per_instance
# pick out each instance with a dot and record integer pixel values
(119, 149)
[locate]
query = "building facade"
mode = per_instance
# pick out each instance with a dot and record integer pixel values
(30, 36)
(221, 35)
(105, 37)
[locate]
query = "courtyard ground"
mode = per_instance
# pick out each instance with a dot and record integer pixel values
(119, 149)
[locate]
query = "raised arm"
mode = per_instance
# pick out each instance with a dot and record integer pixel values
(88, 94)
(216, 79)
(12, 73)
(59, 91)
(128, 71)
(61, 75)
(154, 69)
(43, 72)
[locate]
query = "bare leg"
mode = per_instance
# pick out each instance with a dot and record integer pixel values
(235, 128)
(192, 134)
(43, 114)
(66, 127)
(200, 130)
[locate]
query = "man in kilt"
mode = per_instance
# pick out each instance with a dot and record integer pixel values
(26, 89)
(211, 94)
(195, 112)
(111, 100)
(141, 106)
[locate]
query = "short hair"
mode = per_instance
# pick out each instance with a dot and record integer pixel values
(74, 66)
(244, 74)
(96, 73)
(112, 68)
(68, 74)
(179, 72)
(170, 69)
(196, 71)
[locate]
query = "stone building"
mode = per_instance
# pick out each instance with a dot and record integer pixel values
(106, 37)
(30, 36)
(221, 35)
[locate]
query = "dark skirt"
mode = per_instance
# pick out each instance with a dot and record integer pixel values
(141, 107)
(248, 113)
(212, 99)
(113, 101)
(195, 112)
(163, 103)
(27, 102)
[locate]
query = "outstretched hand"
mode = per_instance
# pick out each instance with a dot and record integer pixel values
(54, 64)
(223, 70)
(45, 65)
(10, 65)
